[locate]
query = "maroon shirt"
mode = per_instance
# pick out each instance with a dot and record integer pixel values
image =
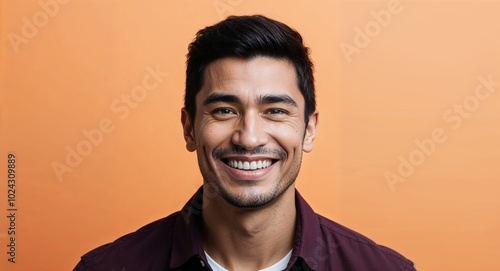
(174, 243)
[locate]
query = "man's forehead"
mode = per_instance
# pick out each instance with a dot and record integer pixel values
(259, 75)
(232, 68)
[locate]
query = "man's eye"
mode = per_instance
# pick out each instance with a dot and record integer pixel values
(222, 111)
(277, 111)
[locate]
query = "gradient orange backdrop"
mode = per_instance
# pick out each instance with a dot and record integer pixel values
(408, 149)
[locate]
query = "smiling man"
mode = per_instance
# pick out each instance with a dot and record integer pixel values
(250, 113)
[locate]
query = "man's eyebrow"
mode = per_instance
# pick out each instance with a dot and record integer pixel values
(221, 97)
(271, 99)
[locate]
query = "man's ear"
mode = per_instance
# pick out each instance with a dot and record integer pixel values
(312, 127)
(188, 129)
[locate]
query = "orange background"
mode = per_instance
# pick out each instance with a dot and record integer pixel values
(398, 87)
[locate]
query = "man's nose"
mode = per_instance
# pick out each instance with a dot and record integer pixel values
(250, 132)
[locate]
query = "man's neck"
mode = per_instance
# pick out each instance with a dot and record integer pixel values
(249, 239)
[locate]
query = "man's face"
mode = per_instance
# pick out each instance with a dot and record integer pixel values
(249, 130)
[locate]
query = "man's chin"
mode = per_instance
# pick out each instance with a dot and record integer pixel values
(252, 197)
(248, 203)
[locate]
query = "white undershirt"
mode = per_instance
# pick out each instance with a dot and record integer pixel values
(279, 266)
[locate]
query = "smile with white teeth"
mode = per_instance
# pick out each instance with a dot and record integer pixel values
(253, 165)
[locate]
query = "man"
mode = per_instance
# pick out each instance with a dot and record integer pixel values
(250, 112)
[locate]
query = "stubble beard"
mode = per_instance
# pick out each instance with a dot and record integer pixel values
(255, 200)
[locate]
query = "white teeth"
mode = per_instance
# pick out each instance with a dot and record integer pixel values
(245, 165)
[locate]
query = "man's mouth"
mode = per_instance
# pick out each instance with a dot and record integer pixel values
(248, 165)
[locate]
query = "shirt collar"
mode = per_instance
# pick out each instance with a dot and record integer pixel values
(187, 241)
(307, 235)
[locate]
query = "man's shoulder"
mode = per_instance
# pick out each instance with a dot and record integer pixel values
(146, 244)
(354, 249)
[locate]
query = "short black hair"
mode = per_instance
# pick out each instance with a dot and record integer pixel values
(246, 37)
